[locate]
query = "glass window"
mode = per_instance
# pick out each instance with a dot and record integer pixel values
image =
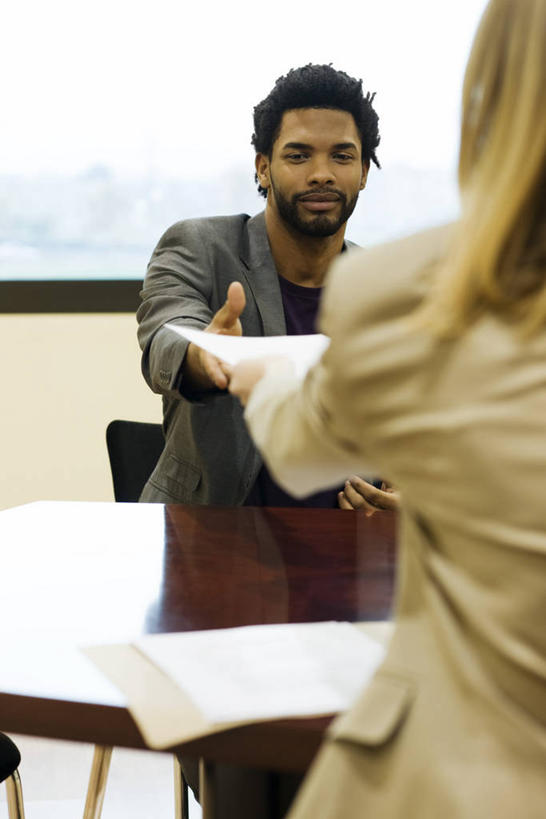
(120, 118)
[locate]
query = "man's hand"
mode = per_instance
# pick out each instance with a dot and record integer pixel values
(202, 370)
(359, 494)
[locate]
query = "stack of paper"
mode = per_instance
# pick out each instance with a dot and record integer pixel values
(303, 351)
(184, 685)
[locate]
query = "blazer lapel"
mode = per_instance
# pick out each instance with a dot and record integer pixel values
(262, 278)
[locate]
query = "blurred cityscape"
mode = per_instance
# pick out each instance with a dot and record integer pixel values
(102, 225)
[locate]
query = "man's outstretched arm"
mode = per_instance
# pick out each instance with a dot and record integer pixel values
(202, 370)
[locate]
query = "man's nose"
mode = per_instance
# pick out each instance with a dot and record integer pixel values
(320, 172)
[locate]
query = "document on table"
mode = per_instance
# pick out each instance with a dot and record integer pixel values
(303, 351)
(265, 672)
(179, 686)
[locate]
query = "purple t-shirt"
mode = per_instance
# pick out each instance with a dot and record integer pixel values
(301, 306)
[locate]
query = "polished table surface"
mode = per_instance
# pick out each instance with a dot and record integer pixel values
(76, 574)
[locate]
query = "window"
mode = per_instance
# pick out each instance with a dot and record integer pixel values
(119, 118)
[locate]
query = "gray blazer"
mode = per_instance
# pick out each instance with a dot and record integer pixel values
(208, 456)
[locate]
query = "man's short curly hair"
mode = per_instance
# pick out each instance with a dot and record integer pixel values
(315, 86)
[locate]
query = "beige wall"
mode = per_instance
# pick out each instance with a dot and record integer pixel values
(64, 377)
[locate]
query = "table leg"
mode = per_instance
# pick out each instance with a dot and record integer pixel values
(226, 791)
(97, 782)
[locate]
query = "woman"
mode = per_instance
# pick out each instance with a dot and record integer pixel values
(436, 378)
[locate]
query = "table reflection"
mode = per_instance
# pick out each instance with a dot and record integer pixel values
(229, 567)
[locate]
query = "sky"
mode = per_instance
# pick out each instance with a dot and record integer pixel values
(168, 87)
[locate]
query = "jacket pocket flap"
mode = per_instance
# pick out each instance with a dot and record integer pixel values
(377, 715)
(175, 474)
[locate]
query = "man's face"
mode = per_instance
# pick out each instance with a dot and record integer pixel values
(315, 173)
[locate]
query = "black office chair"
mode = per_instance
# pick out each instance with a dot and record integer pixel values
(134, 448)
(9, 763)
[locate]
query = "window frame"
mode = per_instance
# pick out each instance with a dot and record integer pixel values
(70, 296)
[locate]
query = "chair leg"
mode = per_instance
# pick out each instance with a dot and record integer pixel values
(207, 793)
(181, 809)
(15, 797)
(97, 782)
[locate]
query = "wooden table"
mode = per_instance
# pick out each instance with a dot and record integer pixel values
(83, 573)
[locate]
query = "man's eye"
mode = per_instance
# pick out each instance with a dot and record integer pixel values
(299, 157)
(343, 157)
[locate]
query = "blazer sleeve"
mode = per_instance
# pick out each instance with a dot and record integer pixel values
(177, 288)
(306, 431)
(318, 433)
(298, 428)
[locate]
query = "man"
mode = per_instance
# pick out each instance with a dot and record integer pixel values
(315, 137)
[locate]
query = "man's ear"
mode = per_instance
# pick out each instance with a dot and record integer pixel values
(262, 170)
(365, 169)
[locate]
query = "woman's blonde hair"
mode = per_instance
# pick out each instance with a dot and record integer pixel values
(497, 261)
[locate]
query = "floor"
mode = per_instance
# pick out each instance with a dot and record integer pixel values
(54, 777)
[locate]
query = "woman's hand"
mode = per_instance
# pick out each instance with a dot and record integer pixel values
(244, 376)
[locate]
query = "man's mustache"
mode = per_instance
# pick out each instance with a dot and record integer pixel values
(321, 192)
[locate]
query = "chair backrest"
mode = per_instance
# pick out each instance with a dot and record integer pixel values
(134, 448)
(9, 757)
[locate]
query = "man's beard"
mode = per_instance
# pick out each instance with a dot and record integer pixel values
(319, 224)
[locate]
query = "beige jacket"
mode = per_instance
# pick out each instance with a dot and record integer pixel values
(453, 726)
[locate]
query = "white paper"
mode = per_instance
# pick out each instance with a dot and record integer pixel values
(303, 351)
(267, 672)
